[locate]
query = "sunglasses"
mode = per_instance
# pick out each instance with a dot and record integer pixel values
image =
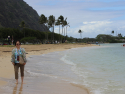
(17, 44)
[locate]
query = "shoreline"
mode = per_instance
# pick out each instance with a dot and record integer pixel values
(39, 50)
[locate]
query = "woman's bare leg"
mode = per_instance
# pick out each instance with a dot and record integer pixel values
(22, 79)
(16, 81)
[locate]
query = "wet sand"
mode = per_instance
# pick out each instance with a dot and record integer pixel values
(51, 86)
(44, 86)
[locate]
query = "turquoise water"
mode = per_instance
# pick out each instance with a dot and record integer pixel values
(100, 69)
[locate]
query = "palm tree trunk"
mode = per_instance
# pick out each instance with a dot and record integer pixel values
(47, 36)
(47, 33)
(81, 36)
(59, 33)
(62, 33)
(66, 33)
(53, 33)
(24, 32)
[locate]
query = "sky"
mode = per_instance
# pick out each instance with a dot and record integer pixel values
(93, 17)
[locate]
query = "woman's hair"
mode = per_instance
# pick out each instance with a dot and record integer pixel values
(17, 41)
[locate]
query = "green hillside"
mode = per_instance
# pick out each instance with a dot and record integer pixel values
(12, 12)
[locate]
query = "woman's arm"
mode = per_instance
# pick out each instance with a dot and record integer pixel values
(13, 57)
(24, 55)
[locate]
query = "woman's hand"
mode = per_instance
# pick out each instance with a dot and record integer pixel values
(13, 63)
(24, 63)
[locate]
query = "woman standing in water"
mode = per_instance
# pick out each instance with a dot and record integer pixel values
(15, 60)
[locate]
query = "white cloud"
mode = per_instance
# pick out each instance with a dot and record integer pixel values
(95, 26)
(97, 22)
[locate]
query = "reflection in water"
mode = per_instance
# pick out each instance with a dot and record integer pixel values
(15, 89)
(20, 90)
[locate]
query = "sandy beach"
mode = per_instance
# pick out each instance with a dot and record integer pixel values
(59, 87)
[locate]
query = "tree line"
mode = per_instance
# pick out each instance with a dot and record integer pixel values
(30, 35)
(103, 38)
(25, 33)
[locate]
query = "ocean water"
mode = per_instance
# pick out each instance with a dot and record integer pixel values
(99, 68)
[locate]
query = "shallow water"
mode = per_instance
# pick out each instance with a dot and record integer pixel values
(101, 68)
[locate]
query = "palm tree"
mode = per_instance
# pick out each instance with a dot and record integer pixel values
(66, 30)
(112, 32)
(61, 19)
(64, 24)
(58, 23)
(43, 20)
(52, 23)
(80, 31)
(22, 25)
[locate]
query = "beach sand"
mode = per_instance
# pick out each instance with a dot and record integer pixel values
(50, 87)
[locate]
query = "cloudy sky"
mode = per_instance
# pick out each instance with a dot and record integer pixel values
(93, 17)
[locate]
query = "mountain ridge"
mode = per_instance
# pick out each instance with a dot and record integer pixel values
(13, 12)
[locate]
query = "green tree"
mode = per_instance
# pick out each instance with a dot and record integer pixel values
(105, 38)
(58, 24)
(80, 31)
(23, 25)
(66, 24)
(51, 24)
(61, 19)
(120, 35)
(112, 32)
(43, 20)
(1, 25)
(63, 23)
